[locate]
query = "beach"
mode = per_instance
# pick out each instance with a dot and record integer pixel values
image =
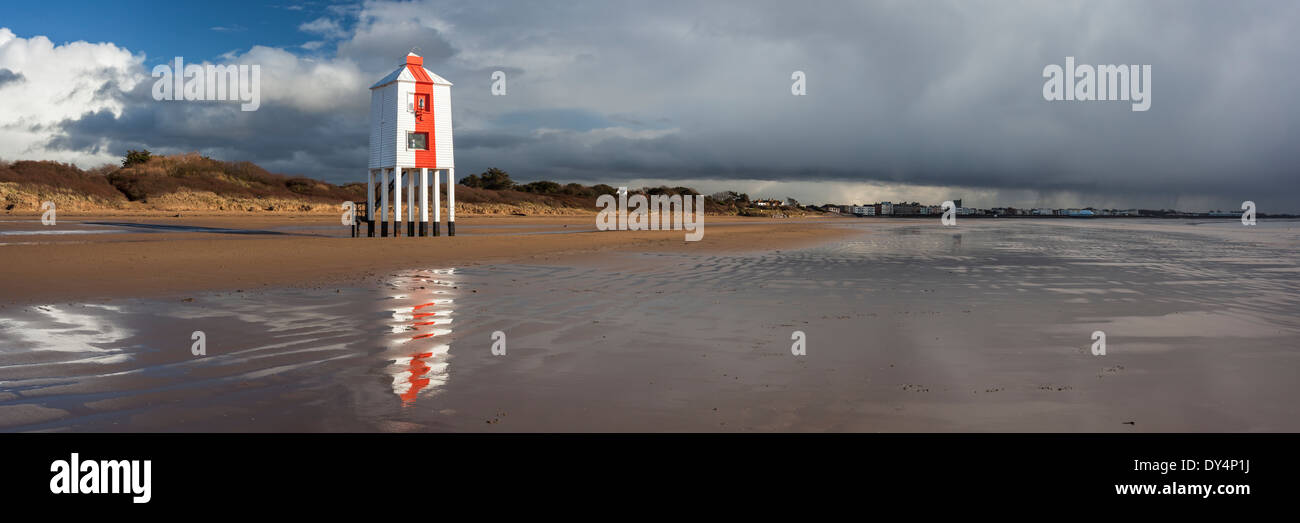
(518, 325)
(85, 259)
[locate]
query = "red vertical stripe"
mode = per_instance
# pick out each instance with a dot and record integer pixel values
(424, 121)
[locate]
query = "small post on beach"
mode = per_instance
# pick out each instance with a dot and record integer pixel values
(424, 202)
(370, 203)
(451, 202)
(437, 203)
(383, 204)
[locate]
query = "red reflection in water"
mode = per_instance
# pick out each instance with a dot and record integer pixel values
(418, 369)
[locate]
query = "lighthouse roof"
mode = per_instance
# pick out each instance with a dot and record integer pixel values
(411, 71)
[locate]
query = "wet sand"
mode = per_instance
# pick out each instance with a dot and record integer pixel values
(81, 258)
(909, 327)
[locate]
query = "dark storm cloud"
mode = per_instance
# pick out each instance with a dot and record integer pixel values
(950, 94)
(925, 93)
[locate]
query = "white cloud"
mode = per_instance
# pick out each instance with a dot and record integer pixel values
(307, 84)
(47, 85)
(59, 82)
(323, 26)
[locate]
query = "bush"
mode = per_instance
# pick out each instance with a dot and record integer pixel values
(168, 174)
(134, 157)
(300, 185)
(541, 187)
(601, 188)
(577, 189)
(60, 175)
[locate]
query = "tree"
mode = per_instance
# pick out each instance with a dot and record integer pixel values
(471, 181)
(134, 157)
(496, 179)
(725, 196)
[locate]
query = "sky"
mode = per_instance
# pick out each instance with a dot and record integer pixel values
(905, 100)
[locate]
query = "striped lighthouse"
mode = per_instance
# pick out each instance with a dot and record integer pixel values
(410, 138)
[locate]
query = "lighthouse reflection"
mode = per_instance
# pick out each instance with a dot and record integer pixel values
(419, 343)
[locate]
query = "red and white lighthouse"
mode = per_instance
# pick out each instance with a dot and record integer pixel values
(410, 135)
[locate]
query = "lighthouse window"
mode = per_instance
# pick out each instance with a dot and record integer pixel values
(417, 141)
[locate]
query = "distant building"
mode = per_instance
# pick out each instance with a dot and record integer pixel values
(884, 208)
(767, 203)
(864, 210)
(907, 209)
